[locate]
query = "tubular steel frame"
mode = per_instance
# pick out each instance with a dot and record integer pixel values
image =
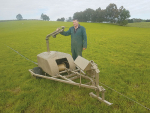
(74, 74)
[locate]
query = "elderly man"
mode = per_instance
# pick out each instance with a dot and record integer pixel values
(78, 38)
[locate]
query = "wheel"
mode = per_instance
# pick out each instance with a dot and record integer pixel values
(38, 70)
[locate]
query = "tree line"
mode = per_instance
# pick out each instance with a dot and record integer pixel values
(111, 14)
(137, 20)
(61, 19)
(43, 17)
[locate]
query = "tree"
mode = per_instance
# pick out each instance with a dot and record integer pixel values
(96, 15)
(80, 16)
(147, 20)
(137, 20)
(123, 15)
(45, 17)
(62, 19)
(112, 13)
(19, 17)
(88, 15)
(42, 16)
(99, 15)
(130, 20)
(69, 19)
(58, 19)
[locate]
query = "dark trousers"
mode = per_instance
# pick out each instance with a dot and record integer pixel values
(76, 53)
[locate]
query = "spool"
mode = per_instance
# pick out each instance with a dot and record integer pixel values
(62, 67)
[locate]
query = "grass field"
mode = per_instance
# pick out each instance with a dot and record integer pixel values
(122, 55)
(139, 24)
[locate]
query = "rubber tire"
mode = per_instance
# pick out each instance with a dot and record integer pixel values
(38, 70)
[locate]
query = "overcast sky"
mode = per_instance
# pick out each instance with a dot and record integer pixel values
(32, 9)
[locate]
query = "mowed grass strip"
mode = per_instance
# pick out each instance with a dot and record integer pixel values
(122, 55)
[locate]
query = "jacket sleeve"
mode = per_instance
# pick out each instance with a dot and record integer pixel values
(67, 33)
(84, 38)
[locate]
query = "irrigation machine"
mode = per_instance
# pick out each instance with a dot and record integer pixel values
(61, 67)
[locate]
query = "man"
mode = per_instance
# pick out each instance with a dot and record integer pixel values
(78, 38)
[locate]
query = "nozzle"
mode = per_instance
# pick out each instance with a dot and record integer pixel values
(63, 27)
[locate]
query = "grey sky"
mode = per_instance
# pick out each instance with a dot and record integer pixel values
(32, 9)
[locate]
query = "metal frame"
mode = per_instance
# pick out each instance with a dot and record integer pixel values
(75, 74)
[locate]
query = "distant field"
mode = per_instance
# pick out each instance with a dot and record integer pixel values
(139, 24)
(122, 55)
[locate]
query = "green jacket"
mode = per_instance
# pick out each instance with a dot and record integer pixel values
(78, 37)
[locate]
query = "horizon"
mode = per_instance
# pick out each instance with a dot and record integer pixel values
(33, 9)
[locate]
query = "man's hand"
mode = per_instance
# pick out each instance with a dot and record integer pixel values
(84, 48)
(60, 30)
(57, 29)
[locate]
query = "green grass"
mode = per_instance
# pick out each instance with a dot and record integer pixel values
(139, 24)
(122, 55)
